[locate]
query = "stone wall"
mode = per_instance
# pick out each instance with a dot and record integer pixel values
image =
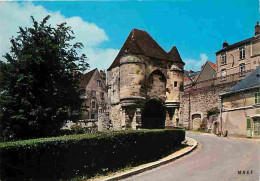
(199, 101)
(141, 78)
(240, 99)
(104, 123)
(157, 85)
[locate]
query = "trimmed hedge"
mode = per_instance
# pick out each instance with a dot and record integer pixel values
(87, 154)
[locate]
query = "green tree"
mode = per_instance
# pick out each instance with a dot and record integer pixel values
(40, 81)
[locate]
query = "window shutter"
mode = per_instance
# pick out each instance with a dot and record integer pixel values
(257, 98)
(248, 123)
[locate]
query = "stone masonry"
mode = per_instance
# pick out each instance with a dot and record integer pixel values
(143, 71)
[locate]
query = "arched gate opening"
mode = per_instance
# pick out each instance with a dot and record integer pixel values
(153, 115)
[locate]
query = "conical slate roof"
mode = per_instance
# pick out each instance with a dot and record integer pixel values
(174, 53)
(140, 42)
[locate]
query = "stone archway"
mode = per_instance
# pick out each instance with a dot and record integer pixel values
(153, 115)
(156, 85)
(196, 121)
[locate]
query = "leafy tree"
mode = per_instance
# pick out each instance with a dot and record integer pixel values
(212, 111)
(40, 81)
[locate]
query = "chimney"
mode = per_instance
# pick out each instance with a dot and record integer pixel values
(257, 29)
(225, 44)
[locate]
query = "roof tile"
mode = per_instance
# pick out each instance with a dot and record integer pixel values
(251, 81)
(140, 42)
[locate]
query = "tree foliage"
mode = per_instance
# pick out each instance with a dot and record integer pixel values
(40, 81)
(212, 111)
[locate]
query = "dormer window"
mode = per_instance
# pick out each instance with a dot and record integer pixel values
(223, 59)
(242, 53)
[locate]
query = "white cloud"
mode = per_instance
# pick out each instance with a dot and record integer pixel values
(193, 64)
(99, 57)
(14, 15)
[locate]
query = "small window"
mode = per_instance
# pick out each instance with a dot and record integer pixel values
(175, 84)
(102, 95)
(242, 69)
(223, 72)
(257, 98)
(93, 93)
(93, 105)
(92, 116)
(99, 83)
(223, 59)
(242, 52)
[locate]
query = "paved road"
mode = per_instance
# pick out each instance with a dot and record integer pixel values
(215, 159)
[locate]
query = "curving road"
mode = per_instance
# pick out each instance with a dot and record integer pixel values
(215, 159)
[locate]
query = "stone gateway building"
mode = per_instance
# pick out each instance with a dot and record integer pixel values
(144, 84)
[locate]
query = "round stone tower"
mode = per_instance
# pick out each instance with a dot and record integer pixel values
(174, 88)
(132, 76)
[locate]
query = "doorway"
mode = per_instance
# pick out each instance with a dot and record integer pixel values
(257, 127)
(154, 115)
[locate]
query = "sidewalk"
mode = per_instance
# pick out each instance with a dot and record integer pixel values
(192, 144)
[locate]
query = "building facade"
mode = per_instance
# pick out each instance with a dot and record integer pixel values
(240, 114)
(94, 89)
(233, 63)
(144, 84)
(236, 61)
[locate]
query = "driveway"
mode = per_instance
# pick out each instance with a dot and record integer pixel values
(215, 159)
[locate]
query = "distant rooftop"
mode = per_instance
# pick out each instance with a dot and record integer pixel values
(85, 78)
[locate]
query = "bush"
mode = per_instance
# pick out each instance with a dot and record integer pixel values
(87, 154)
(212, 111)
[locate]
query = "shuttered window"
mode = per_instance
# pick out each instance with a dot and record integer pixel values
(248, 123)
(257, 98)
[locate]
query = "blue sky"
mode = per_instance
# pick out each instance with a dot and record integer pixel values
(197, 27)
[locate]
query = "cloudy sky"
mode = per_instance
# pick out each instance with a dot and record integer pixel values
(197, 27)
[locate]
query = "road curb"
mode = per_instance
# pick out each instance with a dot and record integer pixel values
(191, 143)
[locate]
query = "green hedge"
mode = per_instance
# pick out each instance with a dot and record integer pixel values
(87, 154)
